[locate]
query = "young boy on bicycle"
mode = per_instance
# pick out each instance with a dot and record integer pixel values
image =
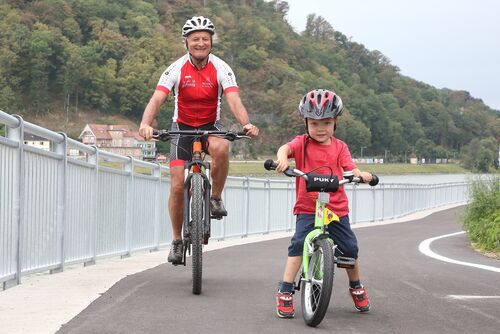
(318, 148)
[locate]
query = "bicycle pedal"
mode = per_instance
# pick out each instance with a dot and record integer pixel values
(345, 262)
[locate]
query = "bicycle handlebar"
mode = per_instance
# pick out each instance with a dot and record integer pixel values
(271, 165)
(165, 135)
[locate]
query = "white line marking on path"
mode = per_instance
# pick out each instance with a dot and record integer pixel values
(425, 249)
(465, 297)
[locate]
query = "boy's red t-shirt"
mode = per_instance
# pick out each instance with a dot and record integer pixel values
(336, 156)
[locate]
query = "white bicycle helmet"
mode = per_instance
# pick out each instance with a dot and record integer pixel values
(320, 104)
(197, 23)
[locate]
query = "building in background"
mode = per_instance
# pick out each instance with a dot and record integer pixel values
(148, 148)
(118, 139)
(36, 141)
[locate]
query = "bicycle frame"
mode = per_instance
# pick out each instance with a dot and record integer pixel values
(323, 217)
(197, 166)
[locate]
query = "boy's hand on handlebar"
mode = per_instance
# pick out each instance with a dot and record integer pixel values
(367, 177)
(251, 130)
(282, 165)
(146, 131)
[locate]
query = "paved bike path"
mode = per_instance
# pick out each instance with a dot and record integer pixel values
(409, 292)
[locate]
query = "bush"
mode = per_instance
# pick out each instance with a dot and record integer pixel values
(482, 217)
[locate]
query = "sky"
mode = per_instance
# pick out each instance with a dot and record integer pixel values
(451, 44)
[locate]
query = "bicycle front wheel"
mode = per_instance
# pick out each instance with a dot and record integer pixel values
(316, 292)
(197, 230)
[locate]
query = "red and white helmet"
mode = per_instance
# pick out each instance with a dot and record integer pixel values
(197, 23)
(320, 104)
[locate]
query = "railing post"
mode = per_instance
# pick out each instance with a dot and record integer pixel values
(129, 167)
(267, 185)
(354, 204)
(382, 216)
(394, 201)
(94, 159)
(157, 174)
(61, 148)
(247, 206)
(374, 204)
(290, 204)
(17, 134)
(223, 223)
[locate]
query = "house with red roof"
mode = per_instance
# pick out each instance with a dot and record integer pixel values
(118, 139)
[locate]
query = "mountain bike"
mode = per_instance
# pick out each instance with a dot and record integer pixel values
(318, 257)
(197, 191)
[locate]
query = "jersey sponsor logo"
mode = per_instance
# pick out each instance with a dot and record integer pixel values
(189, 83)
(207, 83)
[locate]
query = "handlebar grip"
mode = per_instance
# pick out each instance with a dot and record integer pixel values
(270, 164)
(374, 180)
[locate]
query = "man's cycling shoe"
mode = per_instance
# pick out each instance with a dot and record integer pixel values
(176, 252)
(360, 299)
(284, 305)
(217, 207)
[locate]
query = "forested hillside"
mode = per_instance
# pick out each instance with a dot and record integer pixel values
(107, 56)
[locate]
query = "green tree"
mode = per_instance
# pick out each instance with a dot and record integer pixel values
(480, 155)
(40, 52)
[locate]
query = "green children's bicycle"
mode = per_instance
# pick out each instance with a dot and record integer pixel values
(319, 259)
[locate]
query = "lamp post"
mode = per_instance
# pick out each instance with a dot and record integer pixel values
(362, 147)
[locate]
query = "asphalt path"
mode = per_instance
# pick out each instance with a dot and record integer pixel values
(409, 291)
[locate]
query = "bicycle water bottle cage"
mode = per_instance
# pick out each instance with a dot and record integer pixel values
(322, 182)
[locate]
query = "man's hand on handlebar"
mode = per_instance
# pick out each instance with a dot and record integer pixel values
(146, 131)
(251, 130)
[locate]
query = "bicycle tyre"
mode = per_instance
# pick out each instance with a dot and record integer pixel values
(197, 230)
(315, 295)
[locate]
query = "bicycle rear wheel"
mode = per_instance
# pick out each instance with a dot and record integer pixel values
(316, 293)
(197, 230)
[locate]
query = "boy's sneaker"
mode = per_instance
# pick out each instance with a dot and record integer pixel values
(360, 299)
(217, 207)
(176, 252)
(284, 305)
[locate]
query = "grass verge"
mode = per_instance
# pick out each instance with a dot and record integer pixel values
(482, 216)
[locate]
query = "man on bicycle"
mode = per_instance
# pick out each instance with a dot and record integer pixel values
(197, 80)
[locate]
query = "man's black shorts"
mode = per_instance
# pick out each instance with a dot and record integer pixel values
(181, 147)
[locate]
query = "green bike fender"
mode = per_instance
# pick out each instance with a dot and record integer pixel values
(305, 253)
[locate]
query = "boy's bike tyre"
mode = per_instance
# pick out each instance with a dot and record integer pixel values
(197, 230)
(315, 295)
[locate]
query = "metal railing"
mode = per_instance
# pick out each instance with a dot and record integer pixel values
(57, 210)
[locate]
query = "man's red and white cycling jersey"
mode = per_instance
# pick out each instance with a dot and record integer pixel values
(197, 93)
